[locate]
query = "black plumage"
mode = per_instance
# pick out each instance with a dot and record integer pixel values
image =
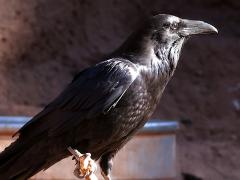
(105, 105)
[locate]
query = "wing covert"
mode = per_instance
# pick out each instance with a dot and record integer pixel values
(93, 91)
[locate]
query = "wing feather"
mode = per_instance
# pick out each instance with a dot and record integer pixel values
(92, 92)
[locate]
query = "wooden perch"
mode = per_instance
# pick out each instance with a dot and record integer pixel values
(85, 166)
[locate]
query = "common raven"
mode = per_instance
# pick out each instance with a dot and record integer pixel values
(106, 104)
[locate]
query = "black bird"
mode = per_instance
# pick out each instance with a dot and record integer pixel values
(104, 105)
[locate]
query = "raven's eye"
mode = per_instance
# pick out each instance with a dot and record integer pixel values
(174, 25)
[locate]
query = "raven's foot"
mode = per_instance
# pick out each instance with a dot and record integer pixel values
(106, 164)
(85, 166)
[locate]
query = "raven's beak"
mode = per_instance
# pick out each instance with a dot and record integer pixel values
(190, 27)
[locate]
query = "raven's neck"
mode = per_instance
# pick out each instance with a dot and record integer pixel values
(164, 57)
(156, 61)
(160, 58)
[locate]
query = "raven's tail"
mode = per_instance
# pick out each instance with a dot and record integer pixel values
(21, 160)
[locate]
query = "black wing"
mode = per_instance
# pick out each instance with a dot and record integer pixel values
(92, 92)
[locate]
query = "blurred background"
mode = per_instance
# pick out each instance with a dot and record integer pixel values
(44, 43)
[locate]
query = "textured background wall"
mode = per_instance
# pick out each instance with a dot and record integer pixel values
(44, 43)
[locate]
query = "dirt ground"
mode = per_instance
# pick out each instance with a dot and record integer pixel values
(43, 44)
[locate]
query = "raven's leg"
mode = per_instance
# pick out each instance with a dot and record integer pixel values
(106, 165)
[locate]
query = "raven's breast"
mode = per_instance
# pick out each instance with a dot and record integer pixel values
(133, 109)
(129, 115)
(137, 105)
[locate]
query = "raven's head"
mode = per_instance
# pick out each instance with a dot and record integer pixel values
(163, 35)
(166, 34)
(168, 29)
